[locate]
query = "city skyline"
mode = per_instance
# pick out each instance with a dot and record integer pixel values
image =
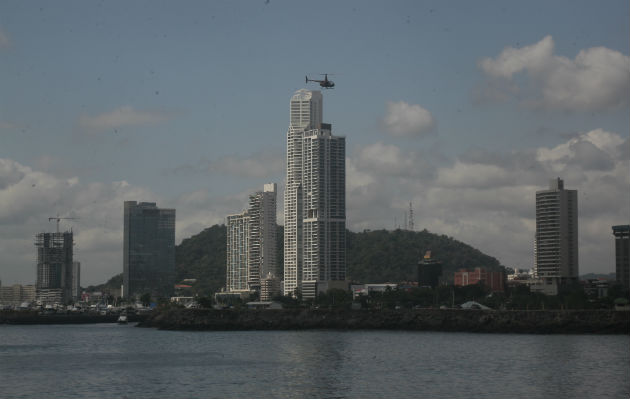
(464, 109)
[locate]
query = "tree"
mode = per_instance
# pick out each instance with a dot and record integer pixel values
(205, 301)
(145, 299)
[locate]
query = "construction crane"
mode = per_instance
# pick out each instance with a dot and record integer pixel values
(58, 218)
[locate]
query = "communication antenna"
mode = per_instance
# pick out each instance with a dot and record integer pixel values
(410, 217)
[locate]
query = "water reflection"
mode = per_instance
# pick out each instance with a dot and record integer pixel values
(110, 361)
(311, 363)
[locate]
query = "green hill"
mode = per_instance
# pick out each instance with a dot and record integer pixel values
(382, 256)
(372, 256)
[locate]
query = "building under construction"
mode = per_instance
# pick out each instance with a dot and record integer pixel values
(54, 266)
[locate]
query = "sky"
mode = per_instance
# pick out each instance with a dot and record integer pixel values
(463, 108)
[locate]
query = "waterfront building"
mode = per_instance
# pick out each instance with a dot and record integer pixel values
(366, 289)
(76, 280)
(429, 271)
(622, 254)
(556, 241)
(148, 250)
(262, 235)
(494, 280)
(17, 294)
(314, 200)
(54, 266)
(252, 243)
(269, 287)
(237, 274)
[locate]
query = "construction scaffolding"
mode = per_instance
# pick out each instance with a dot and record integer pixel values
(54, 262)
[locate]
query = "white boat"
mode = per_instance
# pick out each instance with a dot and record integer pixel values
(122, 319)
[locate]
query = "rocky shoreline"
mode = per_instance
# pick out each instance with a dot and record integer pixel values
(537, 322)
(33, 318)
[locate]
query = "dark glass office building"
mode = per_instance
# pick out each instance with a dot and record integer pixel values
(622, 253)
(148, 250)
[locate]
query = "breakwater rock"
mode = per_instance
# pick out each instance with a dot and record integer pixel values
(573, 321)
(33, 318)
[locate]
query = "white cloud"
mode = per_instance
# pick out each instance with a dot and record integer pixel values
(124, 116)
(29, 197)
(597, 79)
(403, 119)
(533, 58)
(488, 199)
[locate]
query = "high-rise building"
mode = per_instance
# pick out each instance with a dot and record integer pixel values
(148, 250)
(54, 266)
(262, 231)
(237, 274)
(76, 280)
(314, 199)
(252, 243)
(556, 242)
(622, 254)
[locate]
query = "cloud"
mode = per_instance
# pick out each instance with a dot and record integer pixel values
(257, 165)
(389, 160)
(487, 199)
(28, 197)
(410, 120)
(124, 116)
(597, 79)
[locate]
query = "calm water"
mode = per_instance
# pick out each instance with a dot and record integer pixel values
(109, 360)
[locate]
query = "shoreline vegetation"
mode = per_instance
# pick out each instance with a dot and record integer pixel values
(451, 320)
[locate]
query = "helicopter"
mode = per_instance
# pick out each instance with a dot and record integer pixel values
(326, 84)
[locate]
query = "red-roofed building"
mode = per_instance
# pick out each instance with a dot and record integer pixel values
(495, 280)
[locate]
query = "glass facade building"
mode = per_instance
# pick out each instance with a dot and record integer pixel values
(148, 250)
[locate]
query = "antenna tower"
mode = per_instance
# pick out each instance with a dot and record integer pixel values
(410, 217)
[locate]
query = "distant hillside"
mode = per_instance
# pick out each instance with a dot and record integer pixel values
(381, 256)
(114, 283)
(203, 257)
(373, 256)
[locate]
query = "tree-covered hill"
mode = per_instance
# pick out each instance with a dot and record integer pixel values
(381, 256)
(372, 256)
(203, 257)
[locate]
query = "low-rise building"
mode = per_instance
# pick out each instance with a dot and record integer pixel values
(269, 287)
(17, 294)
(366, 289)
(495, 280)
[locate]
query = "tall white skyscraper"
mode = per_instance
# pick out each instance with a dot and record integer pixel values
(314, 199)
(251, 242)
(556, 245)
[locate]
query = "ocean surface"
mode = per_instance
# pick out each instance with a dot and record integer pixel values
(113, 361)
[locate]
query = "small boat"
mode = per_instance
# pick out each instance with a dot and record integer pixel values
(122, 319)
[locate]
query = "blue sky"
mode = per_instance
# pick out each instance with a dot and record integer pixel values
(463, 107)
